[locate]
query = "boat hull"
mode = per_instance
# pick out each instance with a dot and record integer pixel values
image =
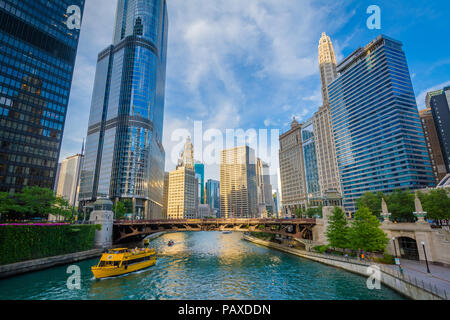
(107, 272)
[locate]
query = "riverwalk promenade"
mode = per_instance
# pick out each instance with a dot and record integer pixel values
(412, 283)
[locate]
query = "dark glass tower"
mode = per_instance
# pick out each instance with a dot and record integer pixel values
(37, 55)
(124, 152)
(200, 175)
(380, 143)
(439, 102)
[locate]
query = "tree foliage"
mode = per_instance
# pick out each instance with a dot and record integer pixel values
(337, 230)
(436, 203)
(119, 210)
(365, 233)
(371, 201)
(33, 202)
(401, 205)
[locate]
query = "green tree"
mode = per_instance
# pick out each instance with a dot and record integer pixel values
(436, 203)
(299, 212)
(401, 205)
(7, 204)
(119, 210)
(337, 230)
(371, 201)
(128, 205)
(365, 233)
(61, 207)
(35, 201)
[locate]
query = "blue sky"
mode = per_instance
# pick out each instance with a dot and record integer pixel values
(253, 64)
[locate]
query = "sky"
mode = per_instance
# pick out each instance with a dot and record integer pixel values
(254, 64)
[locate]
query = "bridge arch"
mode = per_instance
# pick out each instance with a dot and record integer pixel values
(126, 231)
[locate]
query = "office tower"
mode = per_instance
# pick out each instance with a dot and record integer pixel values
(439, 102)
(327, 65)
(433, 144)
(187, 156)
(124, 153)
(327, 166)
(292, 173)
(165, 195)
(313, 191)
(264, 187)
(37, 58)
(380, 143)
(69, 178)
(238, 185)
(55, 187)
(204, 212)
(213, 196)
(200, 175)
(182, 200)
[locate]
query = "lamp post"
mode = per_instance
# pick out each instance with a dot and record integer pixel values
(425, 253)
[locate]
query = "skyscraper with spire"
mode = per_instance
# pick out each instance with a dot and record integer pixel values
(327, 65)
(327, 166)
(124, 153)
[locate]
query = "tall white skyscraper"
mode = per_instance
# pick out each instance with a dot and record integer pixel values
(68, 178)
(327, 65)
(327, 166)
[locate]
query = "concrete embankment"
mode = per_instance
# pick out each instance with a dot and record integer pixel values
(389, 277)
(14, 269)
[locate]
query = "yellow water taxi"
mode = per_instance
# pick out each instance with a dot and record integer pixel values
(120, 261)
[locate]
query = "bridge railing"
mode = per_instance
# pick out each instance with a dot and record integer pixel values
(231, 221)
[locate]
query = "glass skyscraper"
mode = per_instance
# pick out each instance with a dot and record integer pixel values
(124, 152)
(380, 143)
(310, 164)
(38, 47)
(200, 175)
(439, 102)
(213, 196)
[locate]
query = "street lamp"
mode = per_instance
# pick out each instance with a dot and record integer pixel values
(425, 253)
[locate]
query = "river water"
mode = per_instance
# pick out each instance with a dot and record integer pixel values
(203, 266)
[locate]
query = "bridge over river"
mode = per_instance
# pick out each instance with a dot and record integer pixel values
(131, 230)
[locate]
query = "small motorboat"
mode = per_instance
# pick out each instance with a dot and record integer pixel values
(227, 232)
(171, 243)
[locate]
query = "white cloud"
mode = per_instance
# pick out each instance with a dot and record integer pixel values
(231, 63)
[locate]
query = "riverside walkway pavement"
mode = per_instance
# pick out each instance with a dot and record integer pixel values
(439, 276)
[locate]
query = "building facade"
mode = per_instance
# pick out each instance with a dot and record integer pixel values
(313, 191)
(265, 196)
(165, 194)
(327, 167)
(327, 65)
(68, 181)
(292, 172)
(37, 57)
(200, 175)
(433, 144)
(439, 102)
(124, 153)
(182, 199)
(213, 196)
(238, 183)
(380, 143)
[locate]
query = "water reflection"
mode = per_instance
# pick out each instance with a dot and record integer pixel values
(203, 266)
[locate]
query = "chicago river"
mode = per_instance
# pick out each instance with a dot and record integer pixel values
(203, 266)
